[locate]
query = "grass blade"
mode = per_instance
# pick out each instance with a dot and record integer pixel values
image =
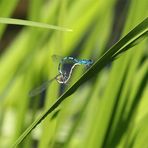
(31, 24)
(124, 44)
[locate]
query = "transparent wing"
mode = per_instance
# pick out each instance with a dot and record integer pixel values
(41, 88)
(56, 58)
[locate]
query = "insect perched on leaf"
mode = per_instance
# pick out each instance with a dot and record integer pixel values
(65, 68)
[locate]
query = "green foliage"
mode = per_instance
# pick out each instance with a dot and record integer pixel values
(105, 106)
(31, 23)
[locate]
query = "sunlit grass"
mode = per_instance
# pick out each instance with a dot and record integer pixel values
(107, 110)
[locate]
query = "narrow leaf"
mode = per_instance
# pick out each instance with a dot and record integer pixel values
(120, 47)
(31, 24)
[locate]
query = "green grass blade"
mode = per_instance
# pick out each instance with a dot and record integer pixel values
(124, 44)
(31, 24)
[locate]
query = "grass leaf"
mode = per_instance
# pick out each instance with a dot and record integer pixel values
(120, 47)
(31, 24)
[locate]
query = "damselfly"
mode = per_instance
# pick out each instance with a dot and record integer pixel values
(65, 68)
(70, 62)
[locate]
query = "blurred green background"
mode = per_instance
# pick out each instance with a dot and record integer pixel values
(108, 112)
